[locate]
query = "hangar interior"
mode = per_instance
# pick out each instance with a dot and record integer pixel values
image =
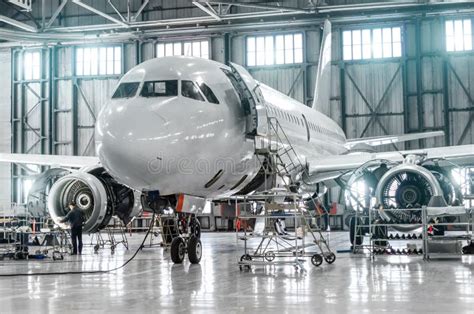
(397, 67)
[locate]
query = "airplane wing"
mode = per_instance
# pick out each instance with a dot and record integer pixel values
(50, 160)
(330, 167)
(390, 139)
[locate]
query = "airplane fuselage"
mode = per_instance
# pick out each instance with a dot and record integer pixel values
(174, 136)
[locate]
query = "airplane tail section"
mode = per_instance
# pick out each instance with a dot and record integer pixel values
(322, 90)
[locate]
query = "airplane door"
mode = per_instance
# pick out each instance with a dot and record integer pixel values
(253, 102)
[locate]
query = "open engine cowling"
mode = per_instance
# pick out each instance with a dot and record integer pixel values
(407, 185)
(412, 186)
(96, 194)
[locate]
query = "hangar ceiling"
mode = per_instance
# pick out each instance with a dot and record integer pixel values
(82, 20)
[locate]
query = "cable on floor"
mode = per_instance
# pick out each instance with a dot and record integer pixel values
(88, 271)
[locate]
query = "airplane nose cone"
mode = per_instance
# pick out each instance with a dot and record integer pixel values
(127, 135)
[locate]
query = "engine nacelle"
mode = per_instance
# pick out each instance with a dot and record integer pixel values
(407, 185)
(97, 195)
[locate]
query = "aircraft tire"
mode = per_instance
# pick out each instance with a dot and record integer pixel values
(194, 250)
(178, 250)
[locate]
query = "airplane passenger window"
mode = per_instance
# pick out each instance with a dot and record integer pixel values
(126, 90)
(189, 90)
(160, 89)
(207, 91)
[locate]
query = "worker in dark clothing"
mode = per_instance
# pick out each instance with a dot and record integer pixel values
(75, 217)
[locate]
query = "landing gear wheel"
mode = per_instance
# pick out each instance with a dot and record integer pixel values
(178, 250)
(194, 250)
(96, 248)
(245, 257)
(196, 228)
(316, 260)
(330, 258)
(269, 256)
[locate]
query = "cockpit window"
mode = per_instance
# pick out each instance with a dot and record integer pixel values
(126, 90)
(190, 90)
(207, 91)
(160, 89)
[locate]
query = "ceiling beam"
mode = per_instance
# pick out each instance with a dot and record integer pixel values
(56, 13)
(18, 24)
(98, 12)
(208, 10)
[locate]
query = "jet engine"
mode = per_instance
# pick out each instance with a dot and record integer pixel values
(97, 194)
(410, 185)
(398, 187)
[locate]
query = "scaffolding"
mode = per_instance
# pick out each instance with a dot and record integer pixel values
(270, 242)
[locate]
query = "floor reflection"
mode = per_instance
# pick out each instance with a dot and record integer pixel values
(153, 284)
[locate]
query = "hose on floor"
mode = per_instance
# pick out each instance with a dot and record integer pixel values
(89, 271)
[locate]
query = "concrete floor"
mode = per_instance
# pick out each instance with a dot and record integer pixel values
(152, 284)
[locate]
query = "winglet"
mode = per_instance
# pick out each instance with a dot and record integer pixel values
(322, 89)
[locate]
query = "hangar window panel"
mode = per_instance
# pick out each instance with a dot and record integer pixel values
(347, 45)
(160, 50)
(279, 50)
(397, 41)
(377, 43)
(387, 42)
(372, 43)
(205, 49)
(458, 35)
(366, 48)
(289, 52)
(32, 65)
(274, 49)
(298, 44)
(260, 51)
(177, 49)
(94, 60)
(198, 48)
(251, 49)
(188, 49)
(169, 49)
(269, 48)
(98, 61)
(103, 61)
(356, 45)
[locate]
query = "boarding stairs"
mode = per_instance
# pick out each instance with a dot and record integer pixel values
(282, 202)
(283, 161)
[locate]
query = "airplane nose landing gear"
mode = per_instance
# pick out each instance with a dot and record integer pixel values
(182, 245)
(188, 241)
(180, 229)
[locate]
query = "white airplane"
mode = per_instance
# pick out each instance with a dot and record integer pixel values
(180, 130)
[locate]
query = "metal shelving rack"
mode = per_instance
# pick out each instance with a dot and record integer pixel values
(456, 240)
(426, 239)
